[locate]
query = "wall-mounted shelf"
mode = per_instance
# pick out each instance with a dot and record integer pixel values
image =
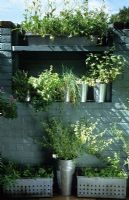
(59, 48)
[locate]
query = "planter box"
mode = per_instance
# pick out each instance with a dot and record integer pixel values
(72, 41)
(101, 187)
(39, 187)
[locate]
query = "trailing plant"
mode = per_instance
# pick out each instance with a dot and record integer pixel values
(8, 108)
(69, 140)
(104, 68)
(21, 86)
(46, 88)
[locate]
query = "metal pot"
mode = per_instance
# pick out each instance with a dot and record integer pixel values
(65, 176)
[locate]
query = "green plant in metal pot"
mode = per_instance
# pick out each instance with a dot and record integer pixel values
(10, 171)
(103, 181)
(70, 86)
(104, 68)
(69, 140)
(112, 168)
(46, 88)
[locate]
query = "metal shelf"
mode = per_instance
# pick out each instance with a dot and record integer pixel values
(58, 48)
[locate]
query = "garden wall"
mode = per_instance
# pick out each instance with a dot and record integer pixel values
(17, 136)
(5, 58)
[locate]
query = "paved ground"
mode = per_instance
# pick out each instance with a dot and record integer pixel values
(59, 198)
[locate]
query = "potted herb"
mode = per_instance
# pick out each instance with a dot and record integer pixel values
(68, 27)
(20, 181)
(70, 86)
(106, 182)
(104, 68)
(68, 141)
(85, 82)
(46, 88)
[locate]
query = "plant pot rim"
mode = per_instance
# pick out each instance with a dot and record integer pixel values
(99, 177)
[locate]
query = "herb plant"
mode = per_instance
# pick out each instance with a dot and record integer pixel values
(104, 68)
(112, 169)
(69, 140)
(46, 88)
(10, 171)
(68, 22)
(69, 82)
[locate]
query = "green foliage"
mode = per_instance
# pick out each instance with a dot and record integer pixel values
(68, 22)
(47, 88)
(113, 169)
(121, 16)
(35, 172)
(10, 171)
(104, 68)
(32, 15)
(21, 86)
(120, 138)
(69, 140)
(69, 82)
(8, 108)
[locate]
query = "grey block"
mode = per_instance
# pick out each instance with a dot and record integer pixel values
(5, 68)
(5, 46)
(5, 38)
(5, 82)
(5, 76)
(5, 61)
(5, 31)
(5, 54)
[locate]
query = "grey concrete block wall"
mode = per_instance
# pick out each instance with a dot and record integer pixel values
(17, 136)
(5, 59)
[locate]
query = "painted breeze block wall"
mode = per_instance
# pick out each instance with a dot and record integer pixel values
(5, 59)
(17, 136)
